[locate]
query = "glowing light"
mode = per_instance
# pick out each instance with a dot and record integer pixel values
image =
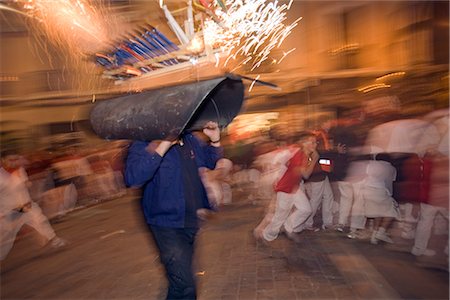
(196, 45)
(9, 78)
(345, 48)
(251, 28)
(390, 75)
(73, 24)
(372, 87)
(193, 60)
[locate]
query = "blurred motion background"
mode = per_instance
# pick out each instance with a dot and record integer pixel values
(347, 55)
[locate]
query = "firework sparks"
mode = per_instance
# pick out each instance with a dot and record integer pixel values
(73, 24)
(251, 28)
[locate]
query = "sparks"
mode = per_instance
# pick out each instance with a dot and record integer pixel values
(73, 24)
(251, 28)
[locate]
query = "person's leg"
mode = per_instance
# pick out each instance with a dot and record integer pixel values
(9, 227)
(423, 231)
(336, 202)
(314, 192)
(296, 220)
(176, 250)
(345, 204)
(358, 217)
(284, 203)
(379, 230)
(386, 223)
(36, 219)
(70, 198)
(327, 204)
(269, 212)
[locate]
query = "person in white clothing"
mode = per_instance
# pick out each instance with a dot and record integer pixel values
(292, 207)
(379, 204)
(438, 199)
(17, 208)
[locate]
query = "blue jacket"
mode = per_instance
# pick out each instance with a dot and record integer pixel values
(163, 200)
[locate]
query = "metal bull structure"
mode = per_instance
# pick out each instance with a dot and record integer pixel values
(164, 113)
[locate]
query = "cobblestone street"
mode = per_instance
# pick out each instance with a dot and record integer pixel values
(111, 256)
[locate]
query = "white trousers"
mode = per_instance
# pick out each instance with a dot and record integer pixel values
(345, 201)
(425, 224)
(358, 217)
(293, 221)
(12, 223)
(320, 193)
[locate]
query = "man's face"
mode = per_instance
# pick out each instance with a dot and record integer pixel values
(310, 144)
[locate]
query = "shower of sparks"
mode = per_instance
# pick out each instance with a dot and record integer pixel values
(250, 28)
(75, 25)
(67, 32)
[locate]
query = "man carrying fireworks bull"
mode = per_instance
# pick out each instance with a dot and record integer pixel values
(173, 195)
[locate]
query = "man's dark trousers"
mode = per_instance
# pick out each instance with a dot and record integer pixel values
(176, 250)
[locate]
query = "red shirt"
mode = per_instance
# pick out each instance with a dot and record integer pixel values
(290, 181)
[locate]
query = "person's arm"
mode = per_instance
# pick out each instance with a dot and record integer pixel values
(213, 151)
(143, 161)
(212, 131)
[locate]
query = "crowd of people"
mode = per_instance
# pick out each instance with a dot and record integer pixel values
(369, 175)
(357, 175)
(36, 187)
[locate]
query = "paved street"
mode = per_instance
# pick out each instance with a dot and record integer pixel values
(111, 256)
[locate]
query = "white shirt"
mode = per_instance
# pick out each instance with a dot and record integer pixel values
(380, 174)
(406, 136)
(13, 190)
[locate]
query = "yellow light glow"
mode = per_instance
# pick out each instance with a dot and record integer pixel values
(196, 45)
(390, 75)
(73, 24)
(372, 87)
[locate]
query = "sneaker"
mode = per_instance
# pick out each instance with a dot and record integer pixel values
(340, 228)
(312, 228)
(58, 242)
(352, 235)
(382, 236)
(360, 234)
(426, 252)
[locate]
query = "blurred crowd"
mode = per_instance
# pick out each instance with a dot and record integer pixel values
(379, 177)
(39, 186)
(70, 176)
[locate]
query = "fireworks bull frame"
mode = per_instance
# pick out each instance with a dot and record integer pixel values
(164, 113)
